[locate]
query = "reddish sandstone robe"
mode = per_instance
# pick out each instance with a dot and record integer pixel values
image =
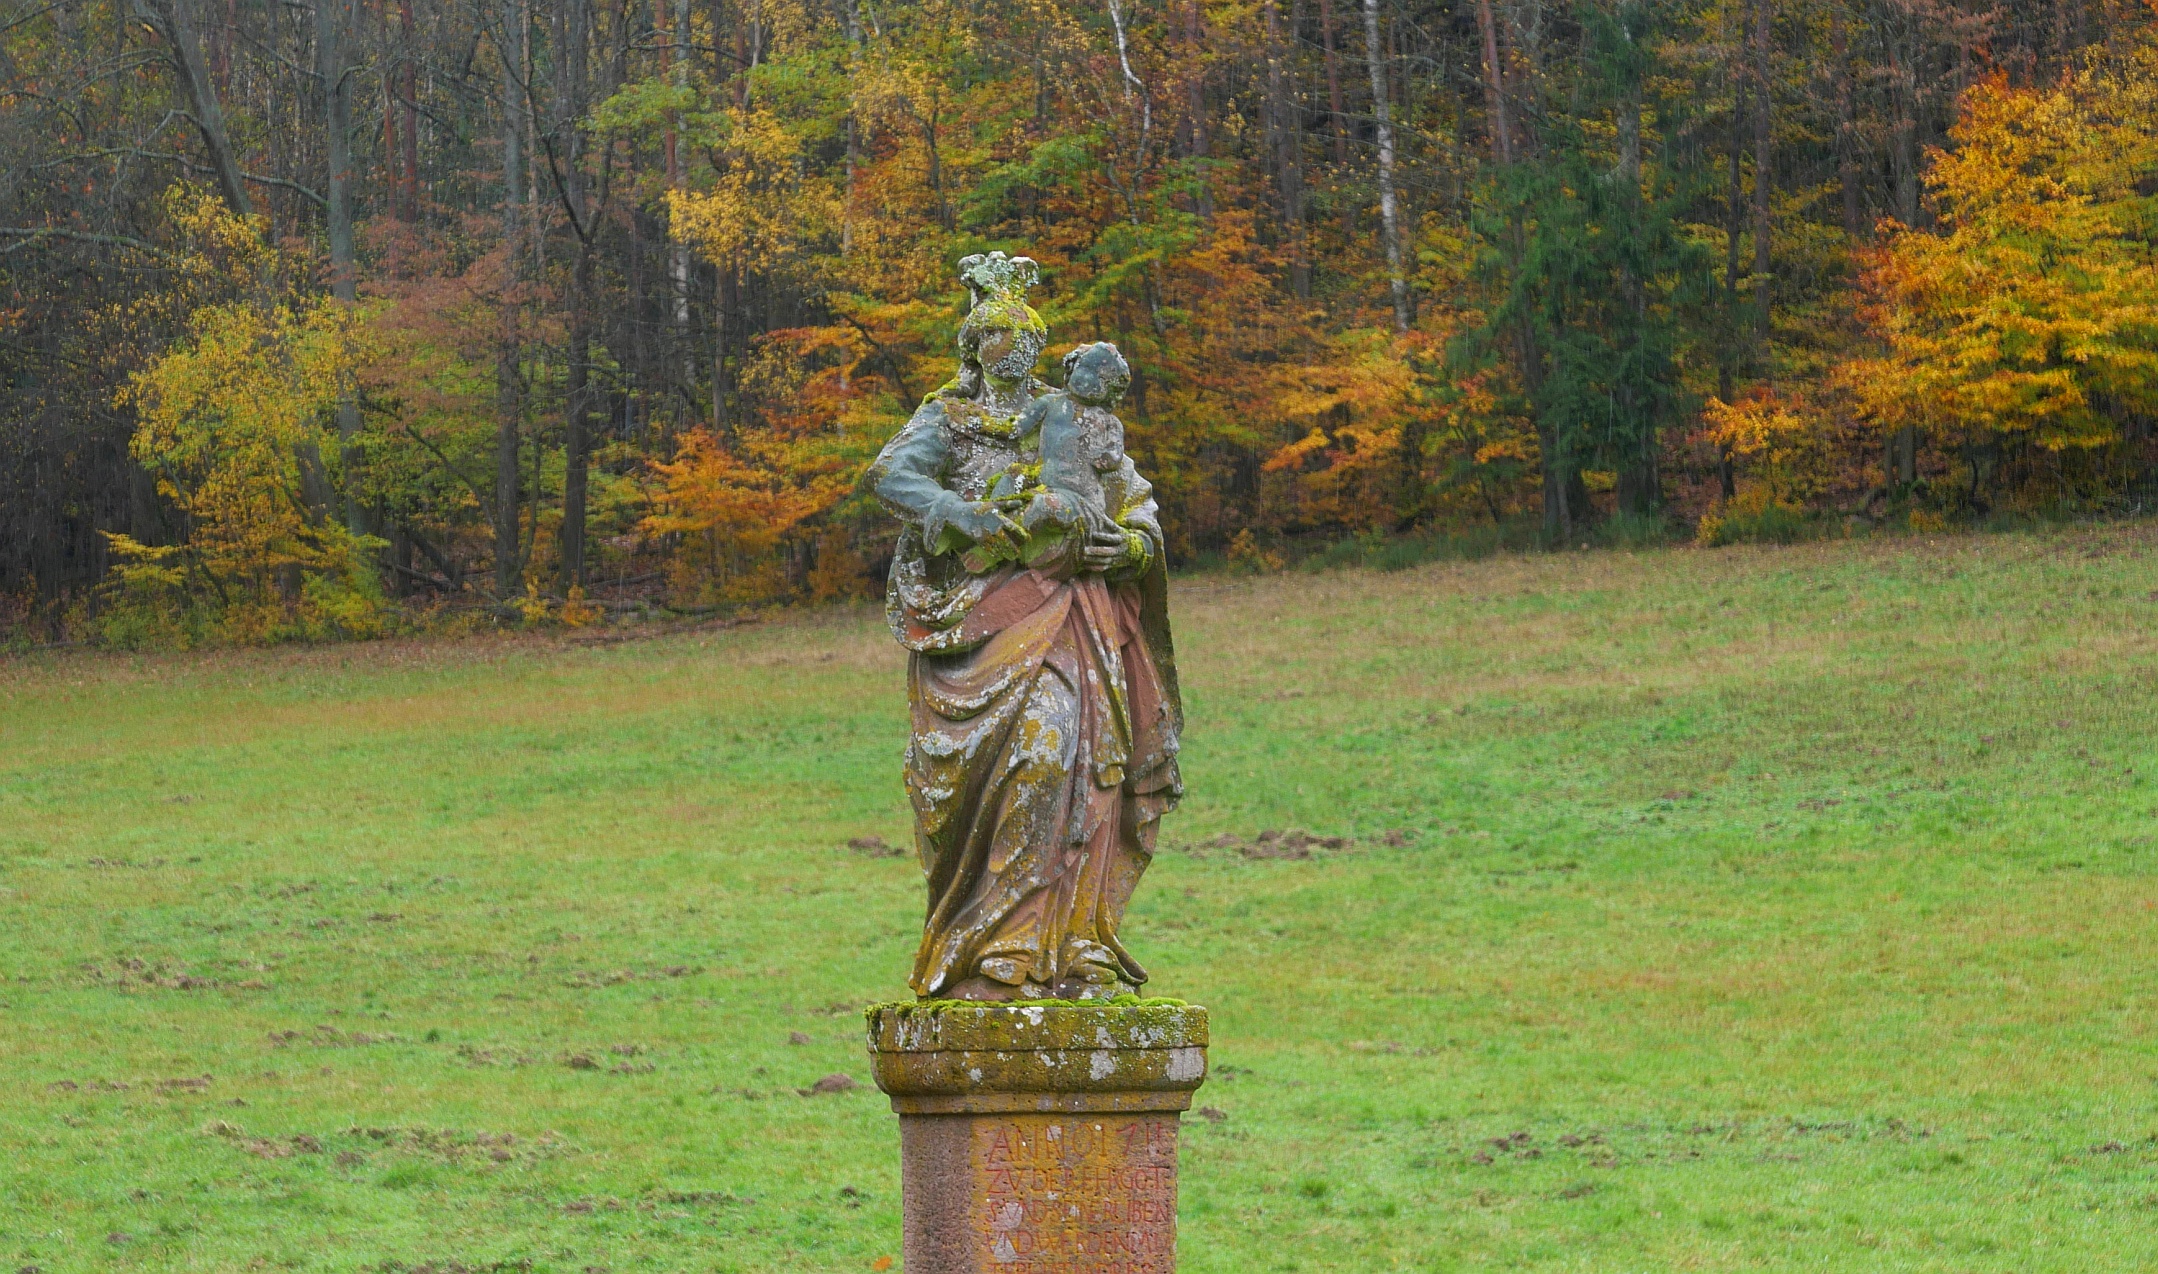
(1042, 760)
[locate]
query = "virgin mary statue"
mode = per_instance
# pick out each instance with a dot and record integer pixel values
(1045, 708)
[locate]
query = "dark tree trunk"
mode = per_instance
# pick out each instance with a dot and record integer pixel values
(333, 27)
(1903, 151)
(1195, 98)
(1846, 124)
(1281, 139)
(1494, 85)
(408, 90)
(1733, 351)
(1640, 487)
(571, 29)
(509, 397)
(1337, 114)
(1763, 127)
(170, 19)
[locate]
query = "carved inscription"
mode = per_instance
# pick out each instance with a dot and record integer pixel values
(1076, 1194)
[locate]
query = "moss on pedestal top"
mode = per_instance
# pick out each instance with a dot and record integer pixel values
(1127, 1023)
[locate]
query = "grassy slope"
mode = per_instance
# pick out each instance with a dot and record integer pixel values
(1776, 909)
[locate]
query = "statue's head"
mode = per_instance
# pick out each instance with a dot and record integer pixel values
(1001, 335)
(1096, 374)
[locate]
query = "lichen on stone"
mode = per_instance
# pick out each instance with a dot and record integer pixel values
(907, 1007)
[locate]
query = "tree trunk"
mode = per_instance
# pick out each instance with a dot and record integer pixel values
(1389, 210)
(1764, 109)
(1409, 500)
(1336, 112)
(637, 322)
(401, 568)
(1732, 338)
(170, 19)
(1640, 487)
(1734, 217)
(1565, 496)
(575, 430)
(1494, 85)
(1195, 99)
(1904, 151)
(1281, 137)
(846, 207)
(1846, 123)
(333, 24)
(675, 41)
(720, 276)
(391, 148)
(571, 33)
(508, 397)
(408, 92)
(1566, 502)
(741, 59)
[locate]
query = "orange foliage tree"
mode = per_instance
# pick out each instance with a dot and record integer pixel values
(2021, 334)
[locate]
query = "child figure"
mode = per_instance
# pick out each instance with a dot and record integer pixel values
(1082, 485)
(1082, 448)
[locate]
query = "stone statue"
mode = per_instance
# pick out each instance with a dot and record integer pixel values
(1028, 585)
(1082, 446)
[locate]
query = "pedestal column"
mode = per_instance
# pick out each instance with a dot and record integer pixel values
(1038, 1139)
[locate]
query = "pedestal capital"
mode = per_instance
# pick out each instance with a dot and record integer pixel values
(954, 1057)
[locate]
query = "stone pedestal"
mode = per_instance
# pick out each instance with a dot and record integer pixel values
(1038, 1139)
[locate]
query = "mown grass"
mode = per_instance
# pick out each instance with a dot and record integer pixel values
(1789, 909)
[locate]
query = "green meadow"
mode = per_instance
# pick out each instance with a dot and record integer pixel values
(1756, 909)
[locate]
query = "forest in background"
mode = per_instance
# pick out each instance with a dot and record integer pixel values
(318, 319)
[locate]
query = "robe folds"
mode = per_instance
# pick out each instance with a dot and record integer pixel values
(1043, 745)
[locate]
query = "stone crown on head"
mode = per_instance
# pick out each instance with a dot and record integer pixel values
(994, 277)
(998, 285)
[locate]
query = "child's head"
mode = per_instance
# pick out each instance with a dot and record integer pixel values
(1096, 374)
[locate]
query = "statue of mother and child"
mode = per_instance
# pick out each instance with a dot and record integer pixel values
(1028, 586)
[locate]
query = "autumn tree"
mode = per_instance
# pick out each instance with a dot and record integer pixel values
(2021, 331)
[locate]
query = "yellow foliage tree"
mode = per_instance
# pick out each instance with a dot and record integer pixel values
(2028, 321)
(235, 422)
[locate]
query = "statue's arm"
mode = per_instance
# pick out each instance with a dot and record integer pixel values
(1141, 520)
(906, 478)
(1031, 419)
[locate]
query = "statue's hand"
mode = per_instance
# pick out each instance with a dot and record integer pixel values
(1049, 513)
(977, 520)
(982, 536)
(1138, 554)
(1104, 550)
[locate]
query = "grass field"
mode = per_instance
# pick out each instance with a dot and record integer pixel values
(1764, 910)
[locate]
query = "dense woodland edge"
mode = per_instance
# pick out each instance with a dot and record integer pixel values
(336, 319)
